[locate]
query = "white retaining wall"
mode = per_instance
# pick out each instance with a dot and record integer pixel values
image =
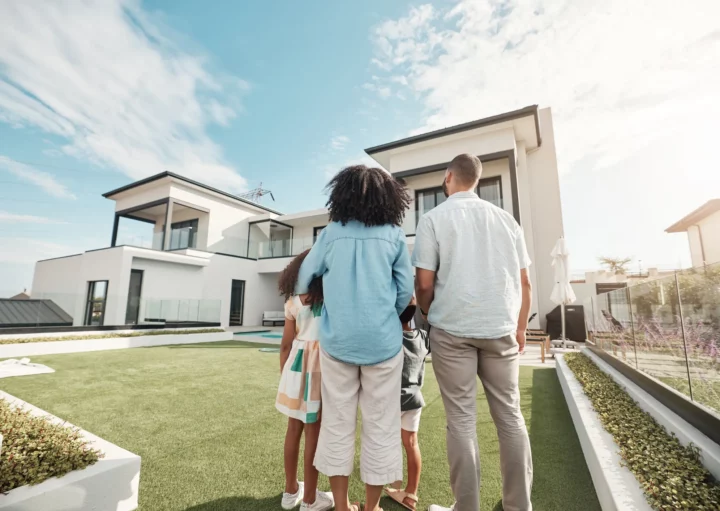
(111, 484)
(685, 432)
(616, 487)
(31, 349)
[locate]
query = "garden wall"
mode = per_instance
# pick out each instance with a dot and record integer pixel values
(111, 484)
(30, 349)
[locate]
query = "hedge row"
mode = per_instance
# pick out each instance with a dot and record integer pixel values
(670, 474)
(35, 449)
(140, 333)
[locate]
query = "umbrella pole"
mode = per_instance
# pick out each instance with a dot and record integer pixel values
(562, 320)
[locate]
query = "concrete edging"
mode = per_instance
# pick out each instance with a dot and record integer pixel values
(616, 487)
(110, 484)
(685, 432)
(31, 349)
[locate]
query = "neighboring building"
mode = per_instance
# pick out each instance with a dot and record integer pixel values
(703, 230)
(216, 257)
(25, 313)
(21, 296)
(603, 281)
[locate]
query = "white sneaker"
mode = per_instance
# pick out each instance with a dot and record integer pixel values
(435, 507)
(293, 500)
(323, 502)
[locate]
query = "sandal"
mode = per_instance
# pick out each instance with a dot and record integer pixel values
(399, 496)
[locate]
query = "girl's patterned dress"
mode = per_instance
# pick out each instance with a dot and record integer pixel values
(299, 392)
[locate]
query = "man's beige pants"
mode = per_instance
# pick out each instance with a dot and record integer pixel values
(456, 362)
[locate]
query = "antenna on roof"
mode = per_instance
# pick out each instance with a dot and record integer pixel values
(256, 194)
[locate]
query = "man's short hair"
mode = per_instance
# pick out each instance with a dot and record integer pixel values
(466, 168)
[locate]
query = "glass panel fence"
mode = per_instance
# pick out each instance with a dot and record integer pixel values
(668, 328)
(99, 306)
(700, 306)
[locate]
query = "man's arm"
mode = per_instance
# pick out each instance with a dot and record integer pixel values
(524, 308)
(426, 259)
(424, 288)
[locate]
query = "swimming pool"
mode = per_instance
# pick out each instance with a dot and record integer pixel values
(266, 335)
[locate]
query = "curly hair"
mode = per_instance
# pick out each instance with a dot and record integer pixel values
(368, 195)
(288, 280)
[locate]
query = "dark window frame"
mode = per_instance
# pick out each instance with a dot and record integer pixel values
(142, 278)
(193, 222)
(90, 301)
(316, 231)
(242, 302)
(435, 189)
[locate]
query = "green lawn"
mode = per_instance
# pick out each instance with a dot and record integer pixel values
(203, 419)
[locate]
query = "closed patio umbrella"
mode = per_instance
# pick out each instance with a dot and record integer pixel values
(562, 292)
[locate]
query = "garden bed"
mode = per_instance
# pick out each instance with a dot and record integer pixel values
(670, 474)
(47, 463)
(27, 347)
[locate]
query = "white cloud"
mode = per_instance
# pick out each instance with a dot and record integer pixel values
(106, 77)
(39, 178)
(30, 250)
(618, 74)
(634, 86)
(12, 218)
(339, 142)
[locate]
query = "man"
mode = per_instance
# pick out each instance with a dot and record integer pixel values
(473, 285)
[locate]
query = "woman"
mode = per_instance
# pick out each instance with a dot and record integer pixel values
(364, 262)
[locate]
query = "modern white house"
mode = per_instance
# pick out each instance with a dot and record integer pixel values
(703, 231)
(216, 257)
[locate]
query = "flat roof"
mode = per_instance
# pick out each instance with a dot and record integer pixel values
(704, 211)
(480, 123)
(172, 175)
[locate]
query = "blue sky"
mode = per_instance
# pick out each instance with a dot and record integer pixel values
(96, 95)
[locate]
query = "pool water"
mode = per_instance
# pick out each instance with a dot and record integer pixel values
(266, 335)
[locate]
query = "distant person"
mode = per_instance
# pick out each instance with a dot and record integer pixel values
(415, 349)
(474, 288)
(367, 279)
(299, 394)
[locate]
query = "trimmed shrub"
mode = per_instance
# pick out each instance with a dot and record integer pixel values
(670, 474)
(35, 449)
(139, 333)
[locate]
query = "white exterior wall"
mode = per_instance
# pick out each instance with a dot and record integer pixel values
(260, 290)
(710, 229)
(57, 280)
(546, 220)
(442, 150)
(151, 193)
(228, 219)
(696, 256)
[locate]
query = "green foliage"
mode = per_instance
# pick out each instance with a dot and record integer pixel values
(616, 265)
(35, 449)
(139, 333)
(670, 474)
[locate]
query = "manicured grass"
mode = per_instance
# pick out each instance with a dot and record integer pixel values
(202, 417)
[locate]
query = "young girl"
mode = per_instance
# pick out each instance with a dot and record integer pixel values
(364, 263)
(299, 393)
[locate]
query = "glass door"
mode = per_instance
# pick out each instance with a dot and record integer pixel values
(237, 302)
(132, 312)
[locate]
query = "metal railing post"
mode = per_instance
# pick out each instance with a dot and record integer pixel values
(682, 327)
(632, 325)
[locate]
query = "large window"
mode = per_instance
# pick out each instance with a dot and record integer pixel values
(317, 231)
(95, 307)
(489, 189)
(183, 234)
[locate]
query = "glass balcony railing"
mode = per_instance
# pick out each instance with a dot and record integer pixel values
(282, 248)
(668, 328)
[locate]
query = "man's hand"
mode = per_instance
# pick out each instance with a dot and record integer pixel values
(520, 336)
